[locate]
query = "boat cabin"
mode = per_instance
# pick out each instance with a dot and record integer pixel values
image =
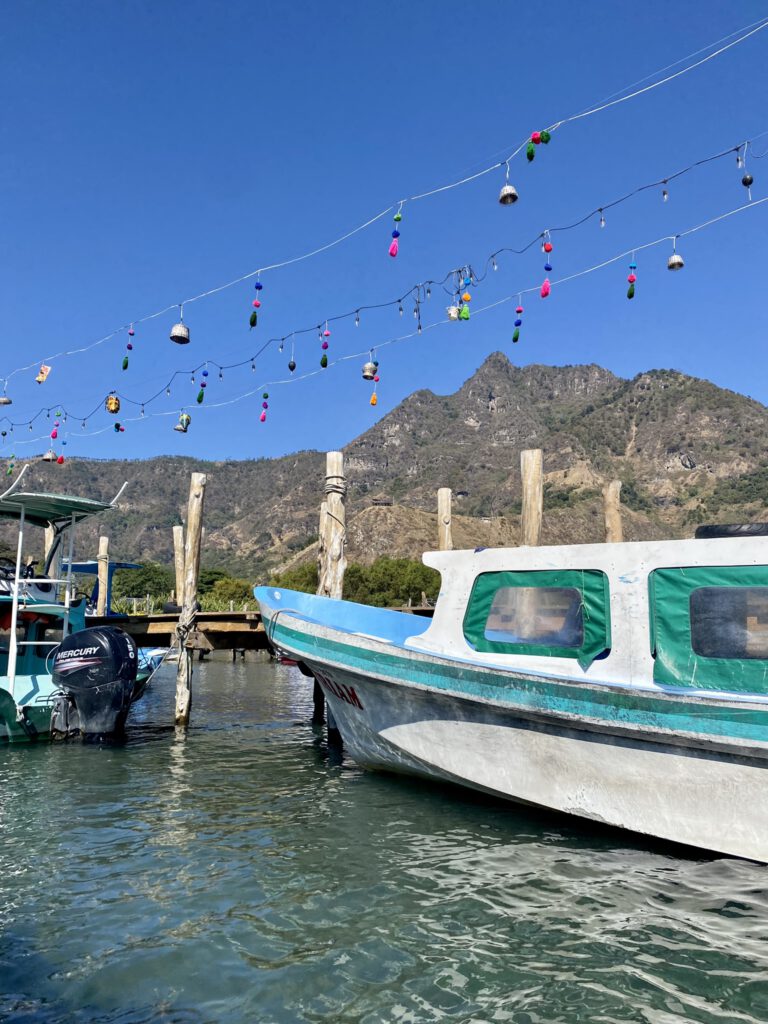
(689, 615)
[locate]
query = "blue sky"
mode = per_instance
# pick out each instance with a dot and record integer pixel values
(153, 151)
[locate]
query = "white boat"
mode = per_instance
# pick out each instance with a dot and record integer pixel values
(624, 683)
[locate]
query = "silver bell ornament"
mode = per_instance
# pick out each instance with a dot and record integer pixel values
(50, 456)
(369, 371)
(453, 312)
(508, 195)
(675, 262)
(180, 331)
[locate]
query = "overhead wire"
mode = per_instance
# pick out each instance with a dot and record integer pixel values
(514, 295)
(741, 36)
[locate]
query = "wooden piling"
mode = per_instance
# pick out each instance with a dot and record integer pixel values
(102, 570)
(331, 561)
(189, 602)
(614, 532)
(178, 562)
(444, 539)
(531, 468)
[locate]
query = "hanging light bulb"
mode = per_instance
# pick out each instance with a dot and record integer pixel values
(602, 219)
(400, 308)
(494, 264)
(429, 292)
(168, 390)
(664, 195)
(357, 318)
(253, 367)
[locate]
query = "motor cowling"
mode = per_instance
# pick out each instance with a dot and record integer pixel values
(95, 670)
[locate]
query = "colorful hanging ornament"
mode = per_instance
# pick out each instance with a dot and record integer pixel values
(264, 407)
(394, 245)
(537, 138)
(253, 319)
(60, 460)
(119, 428)
(42, 374)
(546, 288)
(747, 181)
(129, 346)
(631, 278)
(518, 321)
(183, 425)
(546, 248)
(112, 404)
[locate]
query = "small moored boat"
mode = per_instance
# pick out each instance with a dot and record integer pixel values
(624, 683)
(57, 678)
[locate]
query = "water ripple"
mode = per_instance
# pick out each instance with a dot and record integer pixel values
(244, 874)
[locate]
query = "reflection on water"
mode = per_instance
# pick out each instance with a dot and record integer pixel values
(243, 875)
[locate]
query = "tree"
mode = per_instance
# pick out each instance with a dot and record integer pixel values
(230, 589)
(152, 578)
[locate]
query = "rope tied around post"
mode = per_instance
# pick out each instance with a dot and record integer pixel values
(336, 484)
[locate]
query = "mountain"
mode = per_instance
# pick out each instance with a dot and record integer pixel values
(686, 451)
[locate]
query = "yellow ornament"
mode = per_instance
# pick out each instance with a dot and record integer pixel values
(466, 297)
(374, 399)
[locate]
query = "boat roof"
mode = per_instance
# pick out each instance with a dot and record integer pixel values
(91, 567)
(43, 509)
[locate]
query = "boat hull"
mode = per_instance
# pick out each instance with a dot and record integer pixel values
(707, 798)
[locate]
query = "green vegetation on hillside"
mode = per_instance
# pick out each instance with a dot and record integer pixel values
(386, 583)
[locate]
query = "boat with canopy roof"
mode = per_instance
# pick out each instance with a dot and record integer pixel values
(57, 677)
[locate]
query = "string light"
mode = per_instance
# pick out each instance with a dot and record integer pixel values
(45, 369)
(673, 264)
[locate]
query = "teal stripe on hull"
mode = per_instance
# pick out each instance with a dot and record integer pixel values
(37, 719)
(619, 708)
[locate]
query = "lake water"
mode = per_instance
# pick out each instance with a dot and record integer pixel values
(246, 874)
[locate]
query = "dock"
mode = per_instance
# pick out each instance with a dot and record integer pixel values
(212, 631)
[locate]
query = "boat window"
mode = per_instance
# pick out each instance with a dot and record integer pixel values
(536, 615)
(730, 622)
(5, 636)
(709, 627)
(48, 635)
(557, 613)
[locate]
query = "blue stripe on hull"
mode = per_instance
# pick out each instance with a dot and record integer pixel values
(691, 718)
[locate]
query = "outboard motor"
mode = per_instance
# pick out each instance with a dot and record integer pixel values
(96, 671)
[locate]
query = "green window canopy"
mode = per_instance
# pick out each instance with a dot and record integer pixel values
(582, 596)
(675, 597)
